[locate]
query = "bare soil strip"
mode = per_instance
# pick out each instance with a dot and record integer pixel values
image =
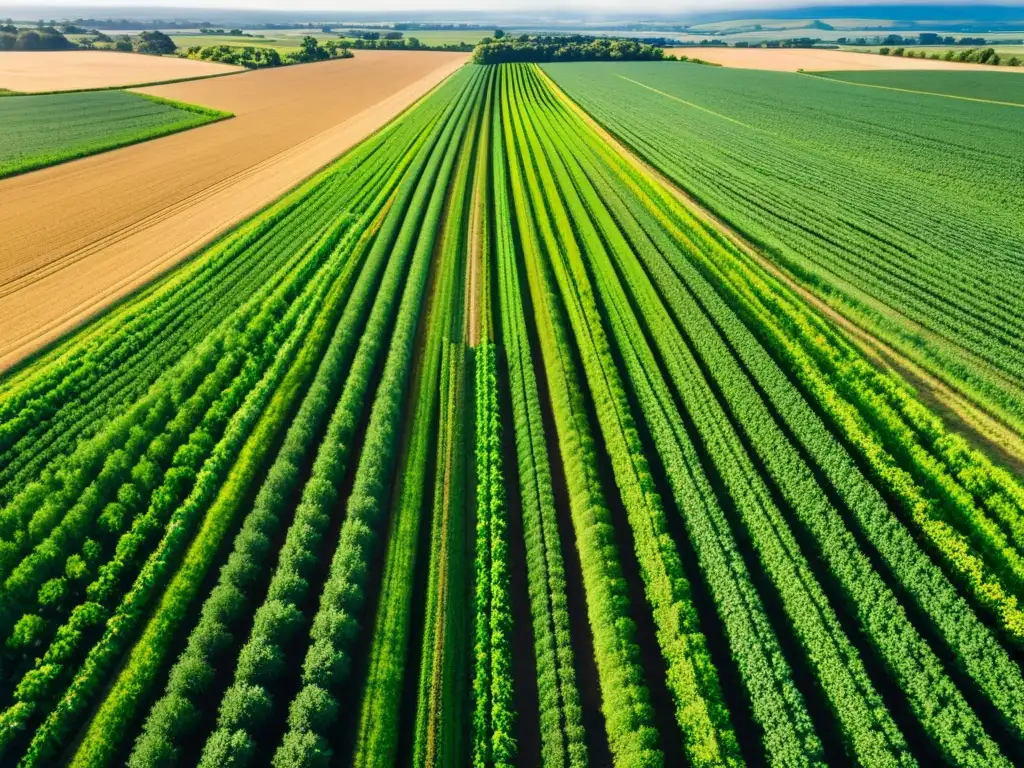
(958, 412)
(820, 60)
(45, 71)
(75, 238)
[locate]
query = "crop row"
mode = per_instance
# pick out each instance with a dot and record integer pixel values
(648, 258)
(333, 628)
(438, 376)
(764, 156)
(629, 718)
(144, 506)
(559, 698)
(289, 530)
(974, 646)
(753, 641)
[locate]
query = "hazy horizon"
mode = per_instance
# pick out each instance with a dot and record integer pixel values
(546, 7)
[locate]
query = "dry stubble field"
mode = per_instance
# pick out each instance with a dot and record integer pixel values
(818, 60)
(44, 71)
(126, 216)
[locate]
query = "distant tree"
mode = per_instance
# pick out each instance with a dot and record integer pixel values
(311, 47)
(154, 42)
(311, 50)
(565, 48)
(123, 43)
(1013, 61)
(40, 39)
(250, 57)
(884, 51)
(7, 41)
(29, 40)
(499, 33)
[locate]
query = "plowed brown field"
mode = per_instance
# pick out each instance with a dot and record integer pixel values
(76, 237)
(817, 60)
(40, 71)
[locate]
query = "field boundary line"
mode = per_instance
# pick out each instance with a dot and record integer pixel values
(211, 115)
(22, 351)
(27, 278)
(7, 93)
(684, 101)
(851, 291)
(958, 412)
(909, 90)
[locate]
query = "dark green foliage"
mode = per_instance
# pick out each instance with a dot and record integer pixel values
(154, 42)
(563, 48)
(37, 39)
(244, 56)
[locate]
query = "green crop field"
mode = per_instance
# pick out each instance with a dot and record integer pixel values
(441, 36)
(447, 36)
(286, 41)
(45, 130)
(483, 447)
(876, 198)
(983, 86)
(281, 44)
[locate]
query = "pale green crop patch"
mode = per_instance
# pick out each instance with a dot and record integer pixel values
(44, 130)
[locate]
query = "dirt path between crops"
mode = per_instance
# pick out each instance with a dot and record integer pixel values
(958, 413)
(76, 237)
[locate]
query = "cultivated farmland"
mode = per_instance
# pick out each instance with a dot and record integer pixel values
(969, 85)
(46, 130)
(126, 216)
(818, 59)
(47, 71)
(483, 446)
(802, 166)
